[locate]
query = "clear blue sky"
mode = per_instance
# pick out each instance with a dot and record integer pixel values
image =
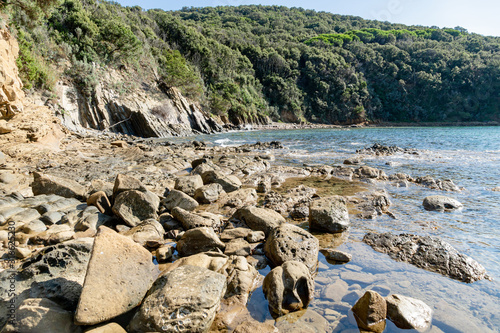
(479, 16)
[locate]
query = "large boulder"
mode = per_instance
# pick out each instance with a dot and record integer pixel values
(183, 300)
(188, 184)
(429, 253)
(179, 199)
(208, 193)
(290, 242)
(47, 184)
(135, 206)
(36, 315)
(408, 313)
(199, 240)
(229, 183)
(239, 198)
(288, 288)
(370, 312)
(260, 219)
(329, 214)
(441, 203)
(192, 220)
(119, 274)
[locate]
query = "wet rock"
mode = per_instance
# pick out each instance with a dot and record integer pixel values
(370, 312)
(164, 253)
(290, 242)
(100, 200)
(107, 328)
(252, 326)
(199, 240)
(183, 300)
(260, 219)
(336, 256)
(288, 288)
(188, 184)
(441, 203)
(229, 183)
(335, 291)
(408, 313)
(329, 214)
(47, 184)
(304, 321)
(208, 194)
(42, 315)
(239, 198)
(193, 220)
(429, 253)
(147, 231)
(125, 183)
(135, 206)
(55, 272)
(179, 199)
(381, 150)
(369, 172)
(352, 161)
(119, 274)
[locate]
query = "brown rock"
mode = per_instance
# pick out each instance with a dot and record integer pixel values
(101, 201)
(119, 274)
(107, 328)
(127, 183)
(135, 206)
(199, 240)
(260, 219)
(188, 184)
(370, 312)
(47, 184)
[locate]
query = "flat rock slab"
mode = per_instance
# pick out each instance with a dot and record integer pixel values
(119, 274)
(429, 253)
(183, 300)
(47, 184)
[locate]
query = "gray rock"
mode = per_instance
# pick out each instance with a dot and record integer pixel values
(135, 206)
(441, 203)
(36, 315)
(288, 288)
(336, 256)
(47, 184)
(329, 214)
(125, 183)
(260, 219)
(192, 220)
(429, 253)
(199, 240)
(34, 227)
(290, 242)
(92, 218)
(55, 272)
(179, 199)
(208, 194)
(119, 274)
(149, 230)
(369, 172)
(183, 300)
(370, 312)
(55, 234)
(408, 313)
(229, 183)
(188, 184)
(447, 185)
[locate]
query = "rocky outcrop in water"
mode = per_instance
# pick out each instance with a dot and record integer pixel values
(429, 253)
(381, 150)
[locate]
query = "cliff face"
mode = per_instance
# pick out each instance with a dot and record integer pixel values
(11, 93)
(144, 111)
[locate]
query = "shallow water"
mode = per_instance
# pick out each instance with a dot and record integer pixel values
(470, 156)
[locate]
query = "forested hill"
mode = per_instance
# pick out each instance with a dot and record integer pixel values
(289, 63)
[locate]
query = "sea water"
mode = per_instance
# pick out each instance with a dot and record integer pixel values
(470, 156)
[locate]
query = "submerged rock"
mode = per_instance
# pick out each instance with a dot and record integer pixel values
(370, 312)
(441, 203)
(429, 253)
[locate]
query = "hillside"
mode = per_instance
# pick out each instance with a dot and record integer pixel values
(245, 64)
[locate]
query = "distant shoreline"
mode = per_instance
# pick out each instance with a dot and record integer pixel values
(289, 126)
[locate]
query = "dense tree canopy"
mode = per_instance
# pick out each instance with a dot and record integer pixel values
(289, 63)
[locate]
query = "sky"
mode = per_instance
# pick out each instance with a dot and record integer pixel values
(479, 16)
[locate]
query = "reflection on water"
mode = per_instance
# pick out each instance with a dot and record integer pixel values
(470, 156)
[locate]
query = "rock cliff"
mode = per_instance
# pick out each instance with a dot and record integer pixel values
(144, 110)
(11, 94)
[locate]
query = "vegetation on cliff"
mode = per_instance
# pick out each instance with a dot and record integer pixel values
(292, 64)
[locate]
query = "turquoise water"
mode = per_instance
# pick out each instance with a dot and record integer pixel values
(470, 156)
